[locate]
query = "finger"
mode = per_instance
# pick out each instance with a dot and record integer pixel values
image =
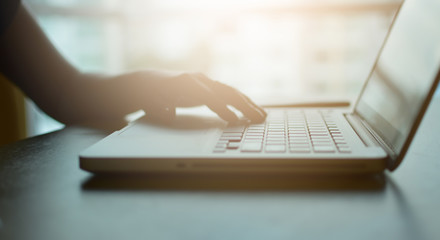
(206, 96)
(236, 99)
(258, 108)
(240, 102)
(248, 108)
(223, 112)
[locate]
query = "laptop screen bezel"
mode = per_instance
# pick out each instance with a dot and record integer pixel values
(395, 158)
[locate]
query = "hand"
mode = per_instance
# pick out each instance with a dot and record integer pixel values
(73, 97)
(167, 91)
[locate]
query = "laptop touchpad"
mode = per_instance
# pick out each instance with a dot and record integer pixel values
(185, 134)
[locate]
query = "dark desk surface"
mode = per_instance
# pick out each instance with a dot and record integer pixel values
(44, 195)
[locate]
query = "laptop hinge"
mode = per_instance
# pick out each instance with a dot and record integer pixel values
(369, 136)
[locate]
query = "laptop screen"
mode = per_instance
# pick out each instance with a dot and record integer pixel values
(404, 73)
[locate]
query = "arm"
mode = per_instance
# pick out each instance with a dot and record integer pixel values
(35, 66)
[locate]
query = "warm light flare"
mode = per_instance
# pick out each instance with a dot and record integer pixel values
(284, 49)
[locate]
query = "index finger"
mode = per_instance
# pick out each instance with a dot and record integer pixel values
(241, 102)
(206, 96)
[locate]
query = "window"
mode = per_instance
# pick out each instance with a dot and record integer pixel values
(269, 49)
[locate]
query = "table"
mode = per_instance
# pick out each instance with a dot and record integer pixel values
(44, 195)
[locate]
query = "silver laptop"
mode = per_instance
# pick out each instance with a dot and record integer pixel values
(371, 137)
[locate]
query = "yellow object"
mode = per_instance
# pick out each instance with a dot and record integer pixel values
(12, 112)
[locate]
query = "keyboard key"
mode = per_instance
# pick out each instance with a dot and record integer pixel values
(298, 127)
(231, 138)
(324, 137)
(260, 140)
(343, 146)
(298, 139)
(232, 134)
(274, 130)
(275, 138)
(338, 138)
(254, 133)
(234, 129)
(299, 142)
(337, 131)
(275, 148)
(319, 129)
(276, 143)
(253, 138)
(276, 125)
(234, 140)
(233, 145)
(251, 147)
(319, 134)
(340, 142)
(303, 145)
(276, 133)
(298, 135)
(256, 128)
(321, 140)
(330, 144)
(298, 132)
(299, 150)
(221, 145)
(323, 149)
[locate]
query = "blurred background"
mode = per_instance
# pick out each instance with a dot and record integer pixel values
(268, 49)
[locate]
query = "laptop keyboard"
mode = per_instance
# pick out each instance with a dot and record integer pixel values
(294, 131)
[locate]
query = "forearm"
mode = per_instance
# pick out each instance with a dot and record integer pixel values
(95, 97)
(33, 64)
(30, 61)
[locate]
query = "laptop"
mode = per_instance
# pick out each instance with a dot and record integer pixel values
(372, 136)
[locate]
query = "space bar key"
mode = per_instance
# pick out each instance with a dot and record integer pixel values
(252, 147)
